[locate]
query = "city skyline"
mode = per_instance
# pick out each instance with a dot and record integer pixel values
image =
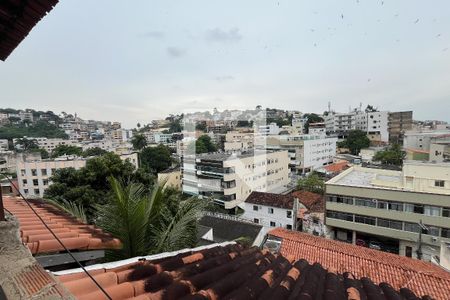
(171, 58)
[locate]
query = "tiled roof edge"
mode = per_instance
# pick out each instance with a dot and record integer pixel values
(137, 258)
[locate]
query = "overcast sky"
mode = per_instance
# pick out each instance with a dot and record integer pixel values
(141, 60)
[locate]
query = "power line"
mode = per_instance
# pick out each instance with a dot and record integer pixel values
(59, 241)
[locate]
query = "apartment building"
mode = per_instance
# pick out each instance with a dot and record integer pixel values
(48, 144)
(34, 176)
(422, 140)
(306, 152)
(271, 210)
(236, 141)
(317, 128)
(228, 179)
(269, 129)
(340, 123)
(399, 123)
(4, 145)
(405, 212)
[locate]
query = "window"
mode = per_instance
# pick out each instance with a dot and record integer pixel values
(412, 227)
(366, 202)
(44, 172)
(340, 215)
(45, 182)
(382, 204)
(270, 210)
(289, 214)
(445, 232)
(22, 172)
(255, 220)
(390, 224)
(395, 206)
(35, 182)
(341, 199)
(446, 212)
(24, 182)
(408, 251)
(33, 172)
(432, 211)
(431, 230)
(289, 227)
(272, 224)
(414, 208)
(25, 191)
(365, 220)
(255, 207)
(439, 183)
(36, 191)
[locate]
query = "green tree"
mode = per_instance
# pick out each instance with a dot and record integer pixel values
(61, 150)
(312, 183)
(204, 144)
(138, 141)
(39, 129)
(155, 159)
(27, 145)
(394, 155)
(356, 140)
(95, 151)
(312, 118)
(201, 126)
(145, 223)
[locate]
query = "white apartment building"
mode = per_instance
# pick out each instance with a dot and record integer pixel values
(317, 129)
(33, 176)
(49, 144)
(271, 210)
(376, 124)
(306, 152)
(228, 179)
(106, 145)
(133, 158)
(269, 129)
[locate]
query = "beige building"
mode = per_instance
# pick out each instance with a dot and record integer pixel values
(236, 141)
(33, 176)
(171, 178)
(228, 179)
(405, 212)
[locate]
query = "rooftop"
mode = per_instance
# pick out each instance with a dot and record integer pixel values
(364, 177)
(269, 199)
(71, 231)
(227, 156)
(225, 272)
(421, 277)
(312, 201)
(17, 19)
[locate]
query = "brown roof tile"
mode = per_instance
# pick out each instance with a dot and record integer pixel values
(337, 167)
(228, 272)
(270, 199)
(73, 233)
(421, 277)
(313, 202)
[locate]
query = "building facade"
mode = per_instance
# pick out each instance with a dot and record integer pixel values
(399, 123)
(229, 179)
(405, 212)
(34, 176)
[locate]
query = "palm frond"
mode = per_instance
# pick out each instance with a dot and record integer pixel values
(70, 208)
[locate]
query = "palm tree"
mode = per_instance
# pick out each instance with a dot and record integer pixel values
(148, 223)
(139, 141)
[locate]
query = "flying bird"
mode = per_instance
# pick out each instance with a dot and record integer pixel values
(342, 16)
(396, 15)
(438, 35)
(445, 49)
(416, 21)
(368, 80)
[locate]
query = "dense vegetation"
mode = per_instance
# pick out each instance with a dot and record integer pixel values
(38, 129)
(155, 159)
(394, 155)
(312, 183)
(356, 140)
(312, 118)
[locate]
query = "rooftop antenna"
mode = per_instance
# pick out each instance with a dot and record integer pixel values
(329, 106)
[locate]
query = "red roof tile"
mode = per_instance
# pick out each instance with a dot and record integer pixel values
(17, 19)
(226, 272)
(313, 202)
(73, 233)
(421, 277)
(270, 199)
(337, 167)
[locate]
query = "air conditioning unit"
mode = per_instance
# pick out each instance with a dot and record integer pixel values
(434, 239)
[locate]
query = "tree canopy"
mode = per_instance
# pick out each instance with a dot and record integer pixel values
(89, 185)
(138, 141)
(394, 155)
(312, 183)
(38, 129)
(356, 140)
(95, 151)
(312, 118)
(155, 159)
(204, 144)
(61, 150)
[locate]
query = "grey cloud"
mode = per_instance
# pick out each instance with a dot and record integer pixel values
(220, 35)
(175, 51)
(154, 34)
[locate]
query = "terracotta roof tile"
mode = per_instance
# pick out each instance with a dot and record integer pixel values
(270, 199)
(228, 272)
(73, 233)
(401, 272)
(313, 202)
(337, 167)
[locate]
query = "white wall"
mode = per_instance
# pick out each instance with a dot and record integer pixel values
(279, 216)
(318, 152)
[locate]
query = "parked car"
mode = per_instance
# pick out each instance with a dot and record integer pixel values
(375, 245)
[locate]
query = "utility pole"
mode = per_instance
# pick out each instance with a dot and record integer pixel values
(2, 210)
